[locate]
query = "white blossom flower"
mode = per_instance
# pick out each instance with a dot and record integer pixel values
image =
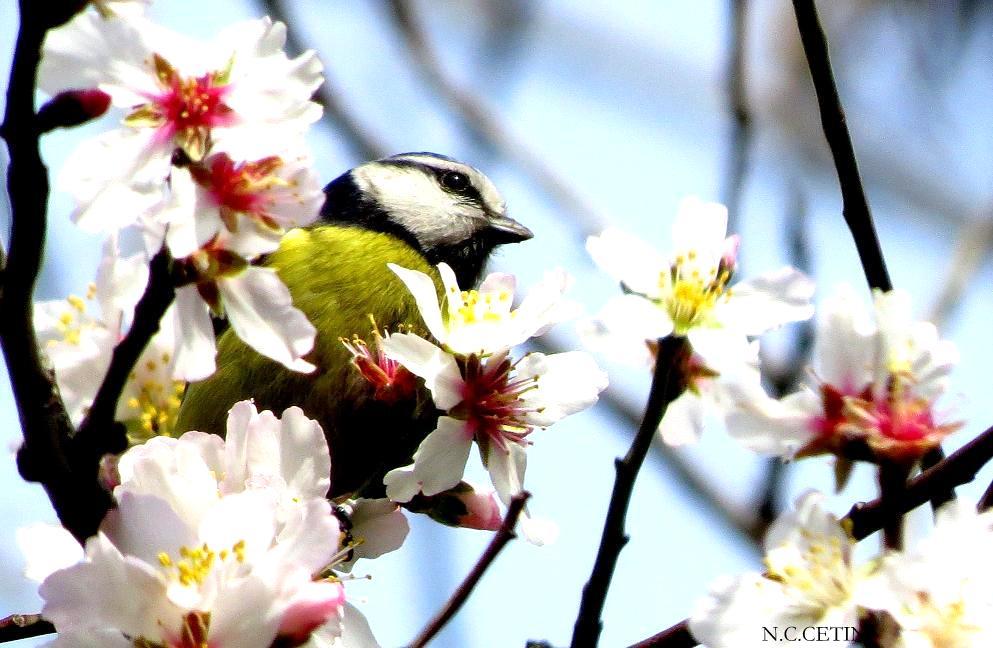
(809, 581)
(493, 401)
(213, 541)
(940, 592)
(238, 89)
(483, 321)
(155, 578)
(256, 201)
(879, 376)
(691, 294)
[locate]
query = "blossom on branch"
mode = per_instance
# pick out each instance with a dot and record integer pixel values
(809, 581)
(940, 592)
(197, 97)
(692, 294)
(878, 377)
(213, 542)
(486, 397)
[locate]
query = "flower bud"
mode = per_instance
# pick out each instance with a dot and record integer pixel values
(72, 108)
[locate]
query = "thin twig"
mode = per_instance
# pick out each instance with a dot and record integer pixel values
(667, 385)
(364, 144)
(741, 121)
(958, 468)
(972, 246)
(71, 485)
(986, 501)
(678, 636)
(98, 435)
(855, 207)
(892, 483)
(504, 535)
(486, 125)
(24, 626)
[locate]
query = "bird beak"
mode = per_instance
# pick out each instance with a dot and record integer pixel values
(507, 230)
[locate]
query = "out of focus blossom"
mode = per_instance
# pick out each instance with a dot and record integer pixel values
(878, 377)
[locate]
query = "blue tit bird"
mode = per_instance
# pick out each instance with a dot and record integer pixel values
(415, 210)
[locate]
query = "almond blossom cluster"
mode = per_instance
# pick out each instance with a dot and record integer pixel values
(485, 395)
(693, 293)
(217, 542)
(208, 160)
(937, 593)
(877, 379)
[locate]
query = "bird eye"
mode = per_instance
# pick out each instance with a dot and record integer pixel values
(455, 181)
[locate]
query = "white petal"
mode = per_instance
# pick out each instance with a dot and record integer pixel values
(845, 350)
(195, 350)
(401, 484)
(47, 548)
(768, 301)
(380, 525)
(304, 455)
(627, 259)
(683, 421)
(440, 459)
(636, 318)
(437, 367)
(567, 383)
(774, 427)
(261, 312)
(507, 470)
(700, 227)
(425, 294)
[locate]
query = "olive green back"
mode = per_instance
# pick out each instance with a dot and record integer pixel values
(338, 277)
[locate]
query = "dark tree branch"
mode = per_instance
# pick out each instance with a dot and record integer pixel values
(23, 626)
(667, 385)
(72, 486)
(958, 468)
(99, 434)
(486, 125)
(855, 207)
(741, 121)
(678, 636)
(504, 535)
(364, 144)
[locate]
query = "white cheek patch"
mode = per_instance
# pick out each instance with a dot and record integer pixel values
(487, 190)
(416, 202)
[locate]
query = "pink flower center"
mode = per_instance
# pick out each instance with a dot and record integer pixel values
(492, 403)
(240, 188)
(187, 108)
(194, 103)
(392, 381)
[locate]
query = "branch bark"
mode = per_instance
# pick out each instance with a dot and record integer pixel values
(667, 385)
(504, 535)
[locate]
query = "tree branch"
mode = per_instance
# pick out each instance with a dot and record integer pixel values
(667, 385)
(855, 207)
(678, 636)
(24, 626)
(958, 468)
(504, 535)
(741, 122)
(99, 434)
(72, 487)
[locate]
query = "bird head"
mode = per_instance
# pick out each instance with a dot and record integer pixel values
(447, 210)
